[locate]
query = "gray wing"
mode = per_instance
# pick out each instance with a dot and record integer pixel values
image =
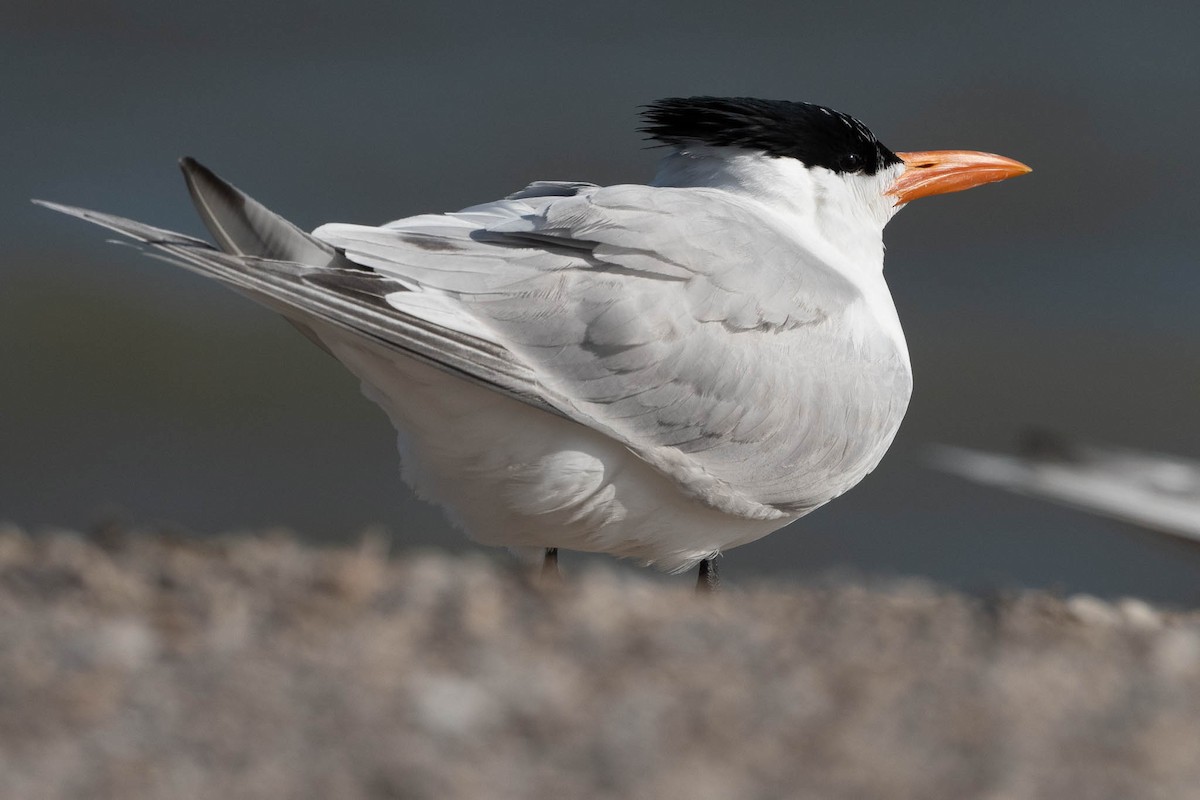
(681, 322)
(337, 293)
(1152, 490)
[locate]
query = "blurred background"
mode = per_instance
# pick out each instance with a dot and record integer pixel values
(1067, 298)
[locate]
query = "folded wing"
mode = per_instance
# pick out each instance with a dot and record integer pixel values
(681, 322)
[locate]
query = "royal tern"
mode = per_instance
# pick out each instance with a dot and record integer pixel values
(660, 372)
(1151, 490)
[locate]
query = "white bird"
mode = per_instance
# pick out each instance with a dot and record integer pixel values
(1151, 490)
(660, 372)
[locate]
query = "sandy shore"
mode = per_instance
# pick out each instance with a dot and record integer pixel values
(137, 666)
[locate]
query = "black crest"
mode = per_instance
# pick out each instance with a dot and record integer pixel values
(812, 134)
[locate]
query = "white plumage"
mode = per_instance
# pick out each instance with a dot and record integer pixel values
(658, 372)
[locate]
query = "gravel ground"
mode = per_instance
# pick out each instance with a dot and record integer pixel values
(138, 665)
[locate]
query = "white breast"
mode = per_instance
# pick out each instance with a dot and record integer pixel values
(511, 475)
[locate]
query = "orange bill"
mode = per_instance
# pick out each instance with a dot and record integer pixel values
(940, 171)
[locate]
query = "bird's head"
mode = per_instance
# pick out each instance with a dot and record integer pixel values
(821, 166)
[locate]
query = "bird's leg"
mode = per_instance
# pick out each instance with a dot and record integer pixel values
(708, 581)
(550, 573)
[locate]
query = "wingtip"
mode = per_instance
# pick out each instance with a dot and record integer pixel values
(192, 168)
(943, 456)
(194, 171)
(61, 208)
(201, 180)
(978, 465)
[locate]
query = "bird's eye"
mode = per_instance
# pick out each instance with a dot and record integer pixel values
(851, 162)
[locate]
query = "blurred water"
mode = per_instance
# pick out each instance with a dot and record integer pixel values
(1066, 298)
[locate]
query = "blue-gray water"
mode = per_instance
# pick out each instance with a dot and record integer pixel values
(1067, 298)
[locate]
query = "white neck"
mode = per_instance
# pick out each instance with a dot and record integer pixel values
(838, 218)
(840, 215)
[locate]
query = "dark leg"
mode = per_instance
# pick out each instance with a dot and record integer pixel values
(708, 581)
(550, 573)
